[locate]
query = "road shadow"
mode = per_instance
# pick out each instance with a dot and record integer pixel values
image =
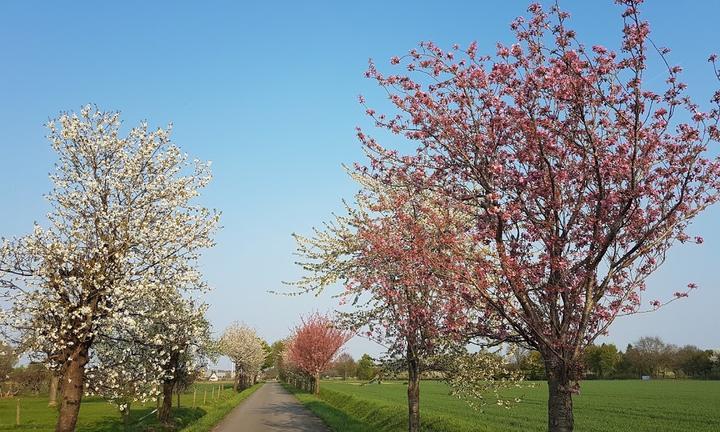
(288, 416)
(329, 414)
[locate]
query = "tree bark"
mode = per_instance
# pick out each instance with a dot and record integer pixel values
(242, 379)
(165, 409)
(316, 383)
(413, 393)
(126, 417)
(71, 390)
(560, 405)
(53, 390)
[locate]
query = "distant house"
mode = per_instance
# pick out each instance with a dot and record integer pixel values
(219, 375)
(225, 374)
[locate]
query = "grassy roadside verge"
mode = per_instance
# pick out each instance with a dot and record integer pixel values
(216, 413)
(96, 414)
(344, 413)
(336, 419)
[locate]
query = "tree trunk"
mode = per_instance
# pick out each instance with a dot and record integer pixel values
(178, 399)
(165, 409)
(71, 390)
(53, 390)
(242, 379)
(126, 417)
(413, 393)
(560, 406)
(238, 376)
(316, 383)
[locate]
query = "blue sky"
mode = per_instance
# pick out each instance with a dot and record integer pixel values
(268, 92)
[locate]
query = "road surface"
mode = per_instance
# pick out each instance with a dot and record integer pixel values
(271, 409)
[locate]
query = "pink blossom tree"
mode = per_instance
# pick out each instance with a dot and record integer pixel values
(396, 254)
(400, 266)
(578, 175)
(392, 251)
(314, 345)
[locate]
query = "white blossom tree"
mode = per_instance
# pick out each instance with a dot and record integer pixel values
(242, 344)
(123, 229)
(186, 336)
(124, 370)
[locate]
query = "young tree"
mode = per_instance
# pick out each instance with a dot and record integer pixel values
(345, 366)
(382, 252)
(127, 370)
(396, 254)
(366, 368)
(275, 354)
(123, 228)
(269, 360)
(578, 175)
(601, 359)
(534, 369)
(188, 344)
(245, 349)
(314, 345)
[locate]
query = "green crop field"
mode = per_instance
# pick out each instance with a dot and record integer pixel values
(633, 406)
(97, 415)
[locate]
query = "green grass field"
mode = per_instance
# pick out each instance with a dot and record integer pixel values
(97, 415)
(632, 406)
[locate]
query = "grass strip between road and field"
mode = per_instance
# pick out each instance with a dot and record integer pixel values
(216, 413)
(345, 413)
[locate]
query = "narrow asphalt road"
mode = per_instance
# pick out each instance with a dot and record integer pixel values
(271, 409)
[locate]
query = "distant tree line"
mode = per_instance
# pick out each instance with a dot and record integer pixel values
(33, 378)
(346, 367)
(648, 356)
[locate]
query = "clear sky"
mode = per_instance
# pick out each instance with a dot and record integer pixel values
(268, 92)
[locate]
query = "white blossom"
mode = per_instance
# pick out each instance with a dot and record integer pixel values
(242, 344)
(117, 260)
